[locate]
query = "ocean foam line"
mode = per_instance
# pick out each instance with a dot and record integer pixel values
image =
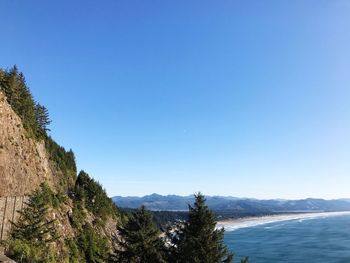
(234, 224)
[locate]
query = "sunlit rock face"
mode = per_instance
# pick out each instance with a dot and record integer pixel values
(23, 161)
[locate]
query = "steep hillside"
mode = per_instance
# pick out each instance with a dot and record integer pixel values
(24, 162)
(73, 205)
(28, 156)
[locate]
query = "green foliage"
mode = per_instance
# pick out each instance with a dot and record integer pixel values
(140, 241)
(94, 197)
(35, 119)
(198, 240)
(74, 252)
(94, 248)
(79, 215)
(13, 84)
(42, 119)
(32, 224)
(33, 234)
(46, 196)
(162, 219)
(24, 251)
(65, 161)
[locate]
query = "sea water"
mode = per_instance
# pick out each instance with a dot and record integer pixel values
(319, 240)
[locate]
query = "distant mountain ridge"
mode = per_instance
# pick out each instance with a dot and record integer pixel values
(233, 204)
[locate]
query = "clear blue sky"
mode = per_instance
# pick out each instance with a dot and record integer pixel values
(242, 98)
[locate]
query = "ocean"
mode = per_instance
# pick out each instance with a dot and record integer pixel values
(319, 240)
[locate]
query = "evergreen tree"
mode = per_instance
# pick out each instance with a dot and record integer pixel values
(94, 197)
(140, 241)
(94, 248)
(12, 90)
(33, 234)
(42, 118)
(13, 84)
(4, 82)
(64, 160)
(198, 240)
(33, 225)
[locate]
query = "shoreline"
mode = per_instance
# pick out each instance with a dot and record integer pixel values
(246, 222)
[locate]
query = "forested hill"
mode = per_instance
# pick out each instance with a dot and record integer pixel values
(68, 216)
(232, 204)
(65, 216)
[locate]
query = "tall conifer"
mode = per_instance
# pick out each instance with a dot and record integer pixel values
(140, 241)
(33, 225)
(198, 241)
(33, 234)
(42, 118)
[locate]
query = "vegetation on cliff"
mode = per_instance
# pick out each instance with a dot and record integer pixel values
(35, 120)
(71, 222)
(13, 84)
(75, 221)
(33, 235)
(93, 197)
(37, 236)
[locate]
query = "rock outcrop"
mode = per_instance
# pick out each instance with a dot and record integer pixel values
(24, 163)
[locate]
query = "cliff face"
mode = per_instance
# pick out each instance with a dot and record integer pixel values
(24, 162)
(76, 205)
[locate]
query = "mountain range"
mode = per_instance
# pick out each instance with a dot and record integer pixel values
(233, 205)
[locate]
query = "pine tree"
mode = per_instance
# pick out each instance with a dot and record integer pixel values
(21, 100)
(4, 85)
(198, 240)
(42, 118)
(12, 86)
(94, 196)
(33, 234)
(94, 248)
(33, 224)
(140, 240)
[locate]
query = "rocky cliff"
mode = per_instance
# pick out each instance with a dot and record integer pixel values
(33, 164)
(24, 162)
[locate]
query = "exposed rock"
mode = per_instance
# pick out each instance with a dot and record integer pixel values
(23, 161)
(4, 259)
(24, 165)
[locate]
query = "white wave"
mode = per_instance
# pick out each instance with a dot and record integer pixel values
(234, 224)
(273, 226)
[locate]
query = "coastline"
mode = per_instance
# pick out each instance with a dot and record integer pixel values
(245, 222)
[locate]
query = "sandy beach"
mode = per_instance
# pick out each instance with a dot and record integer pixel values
(234, 224)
